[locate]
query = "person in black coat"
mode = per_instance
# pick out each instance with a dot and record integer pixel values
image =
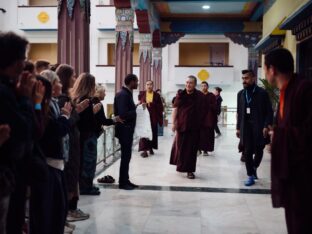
(125, 108)
(254, 116)
(219, 99)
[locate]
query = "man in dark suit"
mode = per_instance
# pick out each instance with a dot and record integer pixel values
(125, 108)
(254, 116)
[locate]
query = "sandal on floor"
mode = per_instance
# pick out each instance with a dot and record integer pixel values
(106, 180)
(191, 175)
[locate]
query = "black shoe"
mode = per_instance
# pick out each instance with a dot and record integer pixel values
(132, 184)
(151, 152)
(95, 188)
(255, 176)
(126, 187)
(144, 154)
(91, 191)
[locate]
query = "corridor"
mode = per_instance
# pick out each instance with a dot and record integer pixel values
(167, 202)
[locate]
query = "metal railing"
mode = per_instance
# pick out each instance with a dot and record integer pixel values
(228, 116)
(108, 145)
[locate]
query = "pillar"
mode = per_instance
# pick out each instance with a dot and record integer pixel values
(145, 59)
(253, 60)
(73, 34)
(124, 45)
(157, 67)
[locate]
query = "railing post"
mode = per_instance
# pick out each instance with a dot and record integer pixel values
(104, 145)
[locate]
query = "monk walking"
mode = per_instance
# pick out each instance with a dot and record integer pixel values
(207, 137)
(187, 122)
(153, 102)
(291, 169)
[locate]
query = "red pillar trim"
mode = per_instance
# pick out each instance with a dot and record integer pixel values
(145, 59)
(142, 21)
(122, 3)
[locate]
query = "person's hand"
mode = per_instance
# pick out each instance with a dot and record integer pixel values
(174, 127)
(39, 91)
(97, 108)
(271, 133)
(144, 106)
(81, 106)
(66, 110)
(265, 132)
(25, 85)
(238, 133)
(119, 120)
(4, 133)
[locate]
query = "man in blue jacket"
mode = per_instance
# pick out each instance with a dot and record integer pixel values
(125, 108)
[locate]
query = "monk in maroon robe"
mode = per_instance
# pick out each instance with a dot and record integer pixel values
(187, 122)
(153, 102)
(291, 169)
(207, 137)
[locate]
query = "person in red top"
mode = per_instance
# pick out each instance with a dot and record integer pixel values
(155, 107)
(207, 138)
(291, 167)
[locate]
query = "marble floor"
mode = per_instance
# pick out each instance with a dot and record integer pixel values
(167, 202)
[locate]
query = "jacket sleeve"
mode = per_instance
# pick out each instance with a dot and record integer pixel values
(122, 104)
(101, 118)
(238, 113)
(58, 127)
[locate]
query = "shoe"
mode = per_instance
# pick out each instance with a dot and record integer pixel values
(250, 181)
(218, 135)
(190, 175)
(126, 187)
(91, 191)
(95, 188)
(68, 230)
(243, 158)
(151, 152)
(205, 153)
(71, 226)
(144, 154)
(255, 176)
(132, 184)
(76, 215)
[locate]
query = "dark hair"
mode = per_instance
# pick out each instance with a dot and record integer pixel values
(158, 90)
(129, 78)
(218, 89)
(47, 95)
(206, 83)
(42, 64)
(54, 67)
(281, 59)
(29, 66)
(246, 71)
(65, 72)
(12, 48)
(194, 78)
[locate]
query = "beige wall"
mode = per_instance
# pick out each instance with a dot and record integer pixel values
(280, 10)
(203, 53)
(43, 51)
(42, 2)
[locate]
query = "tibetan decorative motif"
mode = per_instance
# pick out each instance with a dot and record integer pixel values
(203, 75)
(124, 27)
(85, 5)
(157, 57)
(43, 17)
(246, 39)
(70, 7)
(168, 38)
(59, 6)
(304, 29)
(142, 21)
(145, 45)
(156, 38)
(70, 4)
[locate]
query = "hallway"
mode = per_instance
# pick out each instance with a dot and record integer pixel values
(167, 202)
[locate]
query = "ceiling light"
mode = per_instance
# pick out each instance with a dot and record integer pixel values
(206, 7)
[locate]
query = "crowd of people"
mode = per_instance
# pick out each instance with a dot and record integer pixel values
(51, 118)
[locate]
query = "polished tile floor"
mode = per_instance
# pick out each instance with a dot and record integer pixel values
(167, 202)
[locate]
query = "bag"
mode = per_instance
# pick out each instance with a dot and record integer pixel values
(143, 128)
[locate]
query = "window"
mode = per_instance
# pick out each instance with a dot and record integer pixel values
(111, 54)
(46, 51)
(201, 54)
(42, 2)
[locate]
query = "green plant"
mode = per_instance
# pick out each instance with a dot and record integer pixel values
(272, 91)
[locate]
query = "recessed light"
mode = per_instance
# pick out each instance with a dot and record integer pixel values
(206, 7)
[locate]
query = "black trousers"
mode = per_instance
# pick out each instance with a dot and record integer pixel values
(126, 140)
(48, 203)
(251, 149)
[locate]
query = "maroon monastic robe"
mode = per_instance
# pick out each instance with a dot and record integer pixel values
(189, 120)
(291, 169)
(155, 110)
(207, 138)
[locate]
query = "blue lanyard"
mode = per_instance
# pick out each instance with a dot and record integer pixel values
(248, 100)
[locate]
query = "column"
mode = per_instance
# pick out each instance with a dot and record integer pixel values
(124, 45)
(253, 60)
(157, 67)
(73, 34)
(145, 59)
